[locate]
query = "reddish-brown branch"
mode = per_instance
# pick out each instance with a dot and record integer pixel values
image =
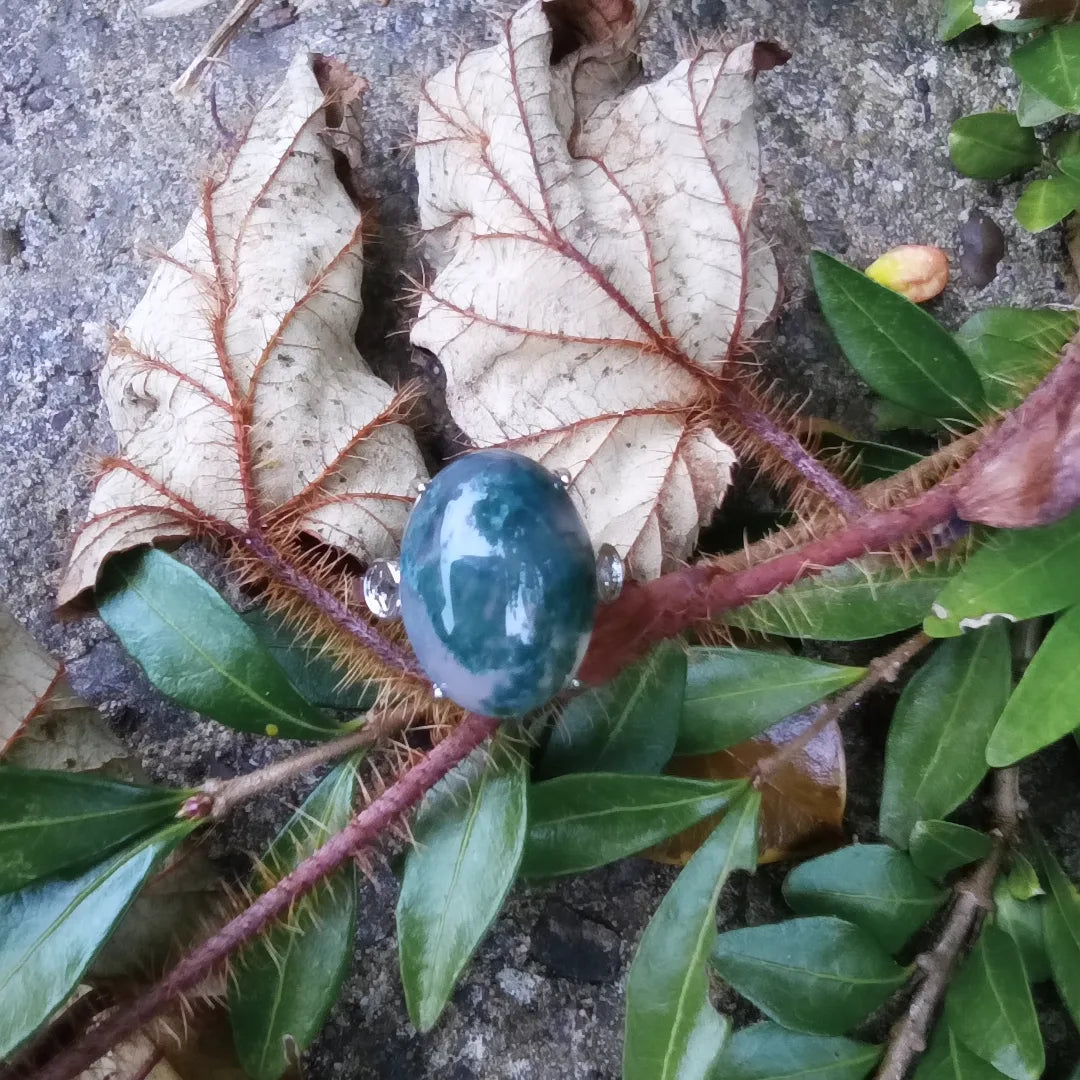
(647, 614)
(360, 833)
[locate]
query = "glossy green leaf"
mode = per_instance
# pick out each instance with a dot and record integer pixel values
(989, 1007)
(672, 1030)
(935, 755)
(871, 885)
(628, 726)
(949, 1059)
(469, 838)
(991, 145)
(1032, 109)
(821, 975)
(283, 984)
(877, 461)
(1022, 880)
(956, 17)
(771, 1052)
(888, 416)
(1042, 708)
(308, 666)
(1020, 26)
(938, 848)
(1061, 927)
(860, 599)
(1069, 163)
(1016, 574)
(56, 821)
(585, 820)
(197, 650)
(899, 350)
(734, 694)
(1024, 922)
(1050, 65)
(52, 930)
(1013, 348)
(1046, 202)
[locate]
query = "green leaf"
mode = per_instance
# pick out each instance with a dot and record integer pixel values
(56, 821)
(1024, 922)
(939, 847)
(51, 931)
(872, 885)
(935, 755)
(1017, 574)
(283, 984)
(308, 666)
(1050, 65)
(1069, 163)
(821, 975)
(1013, 348)
(989, 1007)
(956, 17)
(1042, 708)
(1022, 880)
(888, 416)
(949, 1059)
(470, 834)
(875, 460)
(197, 650)
(1032, 109)
(585, 820)
(991, 145)
(734, 694)
(627, 726)
(1046, 202)
(865, 598)
(1061, 927)
(899, 350)
(672, 1030)
(770, 1052)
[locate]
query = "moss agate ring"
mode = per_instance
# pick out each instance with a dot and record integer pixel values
(497, 584)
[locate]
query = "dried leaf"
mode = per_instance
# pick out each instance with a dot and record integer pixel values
(596, 264)
(43, 724)
(1028, 471)
(802, 803)
(235, 388)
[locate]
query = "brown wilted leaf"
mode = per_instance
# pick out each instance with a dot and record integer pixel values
(237, 395)
(597, 270)
(1028, 471)
(802, 803)
(43, 723)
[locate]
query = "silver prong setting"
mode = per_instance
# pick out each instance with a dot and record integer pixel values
(382, 593)
(563, 479)
(610, 574)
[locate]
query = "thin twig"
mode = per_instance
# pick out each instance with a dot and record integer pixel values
(360, 833)
(215, 46)
(216, 798)
(974, 898)
(885, 668)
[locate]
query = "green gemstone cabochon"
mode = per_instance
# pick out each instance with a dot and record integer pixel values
(498, 583)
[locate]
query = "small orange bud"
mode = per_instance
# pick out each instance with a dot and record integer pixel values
(916, 271)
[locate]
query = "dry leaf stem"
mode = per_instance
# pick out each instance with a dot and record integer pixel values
(361, 832)
(215, 45)
(885, 668)
(973, 899)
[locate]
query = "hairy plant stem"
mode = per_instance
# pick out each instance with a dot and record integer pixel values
(360, 833)
(389, 652)
(807, 465)
(885, 668)
(973, 900)
(216, 798)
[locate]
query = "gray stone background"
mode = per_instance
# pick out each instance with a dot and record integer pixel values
(97, 161)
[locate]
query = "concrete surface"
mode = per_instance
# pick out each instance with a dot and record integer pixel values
(97, 160)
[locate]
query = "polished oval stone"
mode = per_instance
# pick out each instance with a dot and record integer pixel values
(498, 583)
